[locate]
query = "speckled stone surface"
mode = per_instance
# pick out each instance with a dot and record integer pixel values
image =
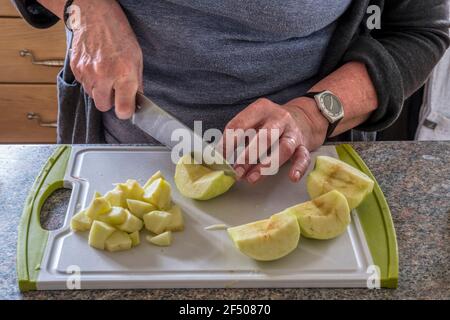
(415, 178)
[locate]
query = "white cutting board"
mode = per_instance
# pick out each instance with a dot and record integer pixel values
(197, 258)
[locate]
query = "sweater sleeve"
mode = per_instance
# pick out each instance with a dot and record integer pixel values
(400, 56)
(35, 14)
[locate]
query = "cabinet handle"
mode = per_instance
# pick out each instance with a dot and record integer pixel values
(37, 117)
(47, 63)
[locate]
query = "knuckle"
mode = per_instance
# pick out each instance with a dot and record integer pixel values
(125, 81)
(307, 153)
(272, 131)
(261, 103)
(301, 166)
(302, 150)
(272, 126)
(262, 100)
(290, 144)
(125, 65)
(306, 158)
(302, 159)
(101, 69)
(234, 124)
(286, 116)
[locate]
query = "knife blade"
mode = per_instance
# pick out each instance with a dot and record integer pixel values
(160, 125)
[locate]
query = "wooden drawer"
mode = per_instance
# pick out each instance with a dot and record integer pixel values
(17, 35)
(7, 9)
(16, 101)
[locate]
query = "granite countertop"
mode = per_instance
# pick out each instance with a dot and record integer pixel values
(415, 178)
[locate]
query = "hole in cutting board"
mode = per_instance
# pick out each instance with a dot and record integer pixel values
(54, 210)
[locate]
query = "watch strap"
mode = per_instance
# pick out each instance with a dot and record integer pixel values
(311, 95)
(331, 127)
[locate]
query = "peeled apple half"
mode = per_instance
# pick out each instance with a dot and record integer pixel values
(196, 181)
(325, 217)
(269, 239)
(332, 174)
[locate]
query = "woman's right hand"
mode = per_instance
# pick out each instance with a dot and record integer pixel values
(106, 57)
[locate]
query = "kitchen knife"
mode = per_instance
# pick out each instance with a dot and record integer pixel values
(160, 125)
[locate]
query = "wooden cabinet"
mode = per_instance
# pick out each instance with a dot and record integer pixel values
(29, 62)
(20, 43)
(28, 113)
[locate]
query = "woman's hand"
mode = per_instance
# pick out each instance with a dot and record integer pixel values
(301, 129)
(106, 57)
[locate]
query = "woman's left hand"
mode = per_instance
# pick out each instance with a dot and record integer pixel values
(301, 129)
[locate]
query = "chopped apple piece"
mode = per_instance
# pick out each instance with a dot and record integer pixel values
(135, 190)
(176, 221)
(80, 222)
(135, 238)
(157, 175)
(325, 217)
(131, 224)
(100, 231)
(139, 208)
(269, 239)
(118, 241)
(158, 193)
(162, 240)
(98, 207)
(115, 219)
(117, 215)
(196, 181)
(330, 173)
(157, 221)
(117, 198)
(131, 189)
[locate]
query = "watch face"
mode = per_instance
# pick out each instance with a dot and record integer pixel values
(331, 104)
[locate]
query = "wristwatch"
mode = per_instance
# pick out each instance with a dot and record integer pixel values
(330, 106)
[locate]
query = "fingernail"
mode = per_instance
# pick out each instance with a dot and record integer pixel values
(123, 116)
(297, 175)
(239, 172)
(254, 177)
